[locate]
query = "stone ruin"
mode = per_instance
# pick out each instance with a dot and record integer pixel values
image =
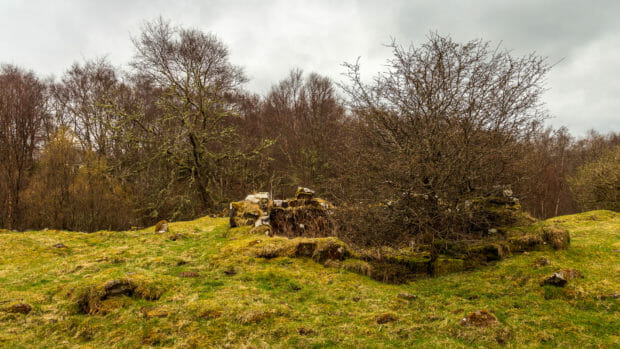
(309, 224)
(305, 215)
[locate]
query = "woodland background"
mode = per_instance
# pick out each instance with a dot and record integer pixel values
(176, 136)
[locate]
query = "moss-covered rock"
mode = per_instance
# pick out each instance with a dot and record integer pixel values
(330, 249)
(521, 242)
(319, 249)
(304, 193)
(396, 267)
(264, 229)
(357, 266)
(161, 226)
(487, 252)
(305, 249)
(244, 213)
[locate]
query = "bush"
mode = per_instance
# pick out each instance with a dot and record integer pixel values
(74, 189)
(443, 125)
(596, 185)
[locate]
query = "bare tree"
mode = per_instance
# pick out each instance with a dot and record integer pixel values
(444, 124)
(81, 102)
(23, 109)
(306, 117)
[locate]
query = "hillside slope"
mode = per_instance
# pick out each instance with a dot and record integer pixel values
(194, 287)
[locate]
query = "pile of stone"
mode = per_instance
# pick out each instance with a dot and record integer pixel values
(303, 216)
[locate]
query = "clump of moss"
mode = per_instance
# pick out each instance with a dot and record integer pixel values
(98, 299)
(525, 242)
(443, 266)
(319, 249)
(558, 238)
(330, 248)
(357, 266)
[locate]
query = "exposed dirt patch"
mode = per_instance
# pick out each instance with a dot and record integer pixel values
(18, 308)
(479, 318)
(188, 274)
(385, 318)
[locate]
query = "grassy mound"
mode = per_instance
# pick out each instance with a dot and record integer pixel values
(213, 287)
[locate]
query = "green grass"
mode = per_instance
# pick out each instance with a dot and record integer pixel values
(296, 302)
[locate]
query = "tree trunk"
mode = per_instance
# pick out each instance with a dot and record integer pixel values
(10, 209)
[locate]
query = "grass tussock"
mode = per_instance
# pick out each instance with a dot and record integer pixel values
(100, 298)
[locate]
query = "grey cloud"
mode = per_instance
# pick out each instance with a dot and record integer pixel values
(268, 38)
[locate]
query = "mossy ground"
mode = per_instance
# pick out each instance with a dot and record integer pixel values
(238, 300)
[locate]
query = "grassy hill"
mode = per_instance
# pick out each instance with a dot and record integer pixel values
(195, 286)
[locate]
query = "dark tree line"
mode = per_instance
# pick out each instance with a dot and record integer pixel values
(176, 136)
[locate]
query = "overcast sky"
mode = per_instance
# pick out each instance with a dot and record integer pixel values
(268, 38)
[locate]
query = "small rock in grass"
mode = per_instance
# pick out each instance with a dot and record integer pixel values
(570, 274)
(19, 308)
(609, 296)
(385, 318)
(407, 296)
(561, 278)
(59, 245)
(161, 226)
(557, 279)
(541, 261)
(480, 318)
